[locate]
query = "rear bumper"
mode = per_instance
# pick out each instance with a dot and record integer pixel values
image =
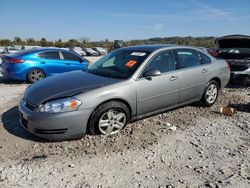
(61, 126)
(11, 74)
(235, 75)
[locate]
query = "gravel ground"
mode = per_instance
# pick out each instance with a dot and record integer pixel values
(188, 147)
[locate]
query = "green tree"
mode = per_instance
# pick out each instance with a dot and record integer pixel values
(5, 42)
(31, 41)
(18, 41)
(59, 43)
(85, 41)
(72, 43)
(43, 42)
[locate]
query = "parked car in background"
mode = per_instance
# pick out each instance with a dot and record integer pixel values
(1, 49)
(11, 50)
(35, 64)
(31, 47)
(100, 50)
(203, 49)
(125, 85)
(213, 52)
(235, 49)
(90, 52)
(79, 51)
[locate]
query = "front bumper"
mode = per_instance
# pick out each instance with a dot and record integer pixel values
(61, 126)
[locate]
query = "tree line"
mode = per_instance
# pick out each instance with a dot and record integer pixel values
(85, 42)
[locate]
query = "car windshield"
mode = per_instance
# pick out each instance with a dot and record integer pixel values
(23, 52)
(89, 49)
(120, 64)
(99, 48)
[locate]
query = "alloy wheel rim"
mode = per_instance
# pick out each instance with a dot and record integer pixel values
(36, 75)
(211, 93)
(111, 122)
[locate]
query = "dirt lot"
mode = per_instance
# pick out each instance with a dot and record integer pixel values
(188, 147)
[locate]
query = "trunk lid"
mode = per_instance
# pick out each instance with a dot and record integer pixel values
(235, 49)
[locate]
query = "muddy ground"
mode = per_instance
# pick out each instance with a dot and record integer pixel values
(188, 147)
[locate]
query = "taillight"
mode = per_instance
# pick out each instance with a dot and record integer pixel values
(14, 60)
(229, 66)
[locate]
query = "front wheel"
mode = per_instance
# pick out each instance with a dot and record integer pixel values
(35, 75)
(210, 94)
(109, 118)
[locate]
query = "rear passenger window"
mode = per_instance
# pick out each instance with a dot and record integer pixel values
(49, 55)
(188, 58)
(70, 56)
(205, 59)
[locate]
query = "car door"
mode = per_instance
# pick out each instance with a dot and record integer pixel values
(193, 74)
(73, 62)
(51, 62)
(158, 92)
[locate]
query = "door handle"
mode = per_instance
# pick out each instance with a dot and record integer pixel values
(204, 70)
(172, 78)
(67, 63)
(42, 62)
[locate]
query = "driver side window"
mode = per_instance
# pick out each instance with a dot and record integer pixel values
(164, 62)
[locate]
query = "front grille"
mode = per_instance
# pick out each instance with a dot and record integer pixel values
(29, 105)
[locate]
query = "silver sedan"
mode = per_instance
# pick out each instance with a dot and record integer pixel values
(125, 85)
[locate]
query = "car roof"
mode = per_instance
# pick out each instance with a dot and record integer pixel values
(38, 50)
(149, 47)
(47, 49)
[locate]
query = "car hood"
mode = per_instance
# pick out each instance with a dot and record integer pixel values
(65, 85)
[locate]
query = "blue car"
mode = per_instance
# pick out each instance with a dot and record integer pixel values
(33, 65)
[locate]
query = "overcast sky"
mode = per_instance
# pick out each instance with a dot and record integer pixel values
(122, 19)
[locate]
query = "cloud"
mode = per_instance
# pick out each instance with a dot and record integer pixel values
(134, 15)
(231, 16)
(195, 10)
(207, 12)
(158, 26)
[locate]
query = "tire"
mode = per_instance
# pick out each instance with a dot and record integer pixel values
(210, 94)
(246, 81)
(35, 75)
(109, 118)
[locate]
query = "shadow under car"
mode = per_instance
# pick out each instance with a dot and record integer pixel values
(10, 121)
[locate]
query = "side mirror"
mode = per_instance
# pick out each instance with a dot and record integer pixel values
(151, 73)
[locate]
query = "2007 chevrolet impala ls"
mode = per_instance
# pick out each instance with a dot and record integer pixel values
(125, 85)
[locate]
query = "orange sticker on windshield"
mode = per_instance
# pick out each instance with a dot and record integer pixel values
(130, 63)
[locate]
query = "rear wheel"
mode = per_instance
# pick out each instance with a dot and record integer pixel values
(109, 118)
(210, 94)
(35, 75)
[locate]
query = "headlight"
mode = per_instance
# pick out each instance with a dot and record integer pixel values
(61, 105)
